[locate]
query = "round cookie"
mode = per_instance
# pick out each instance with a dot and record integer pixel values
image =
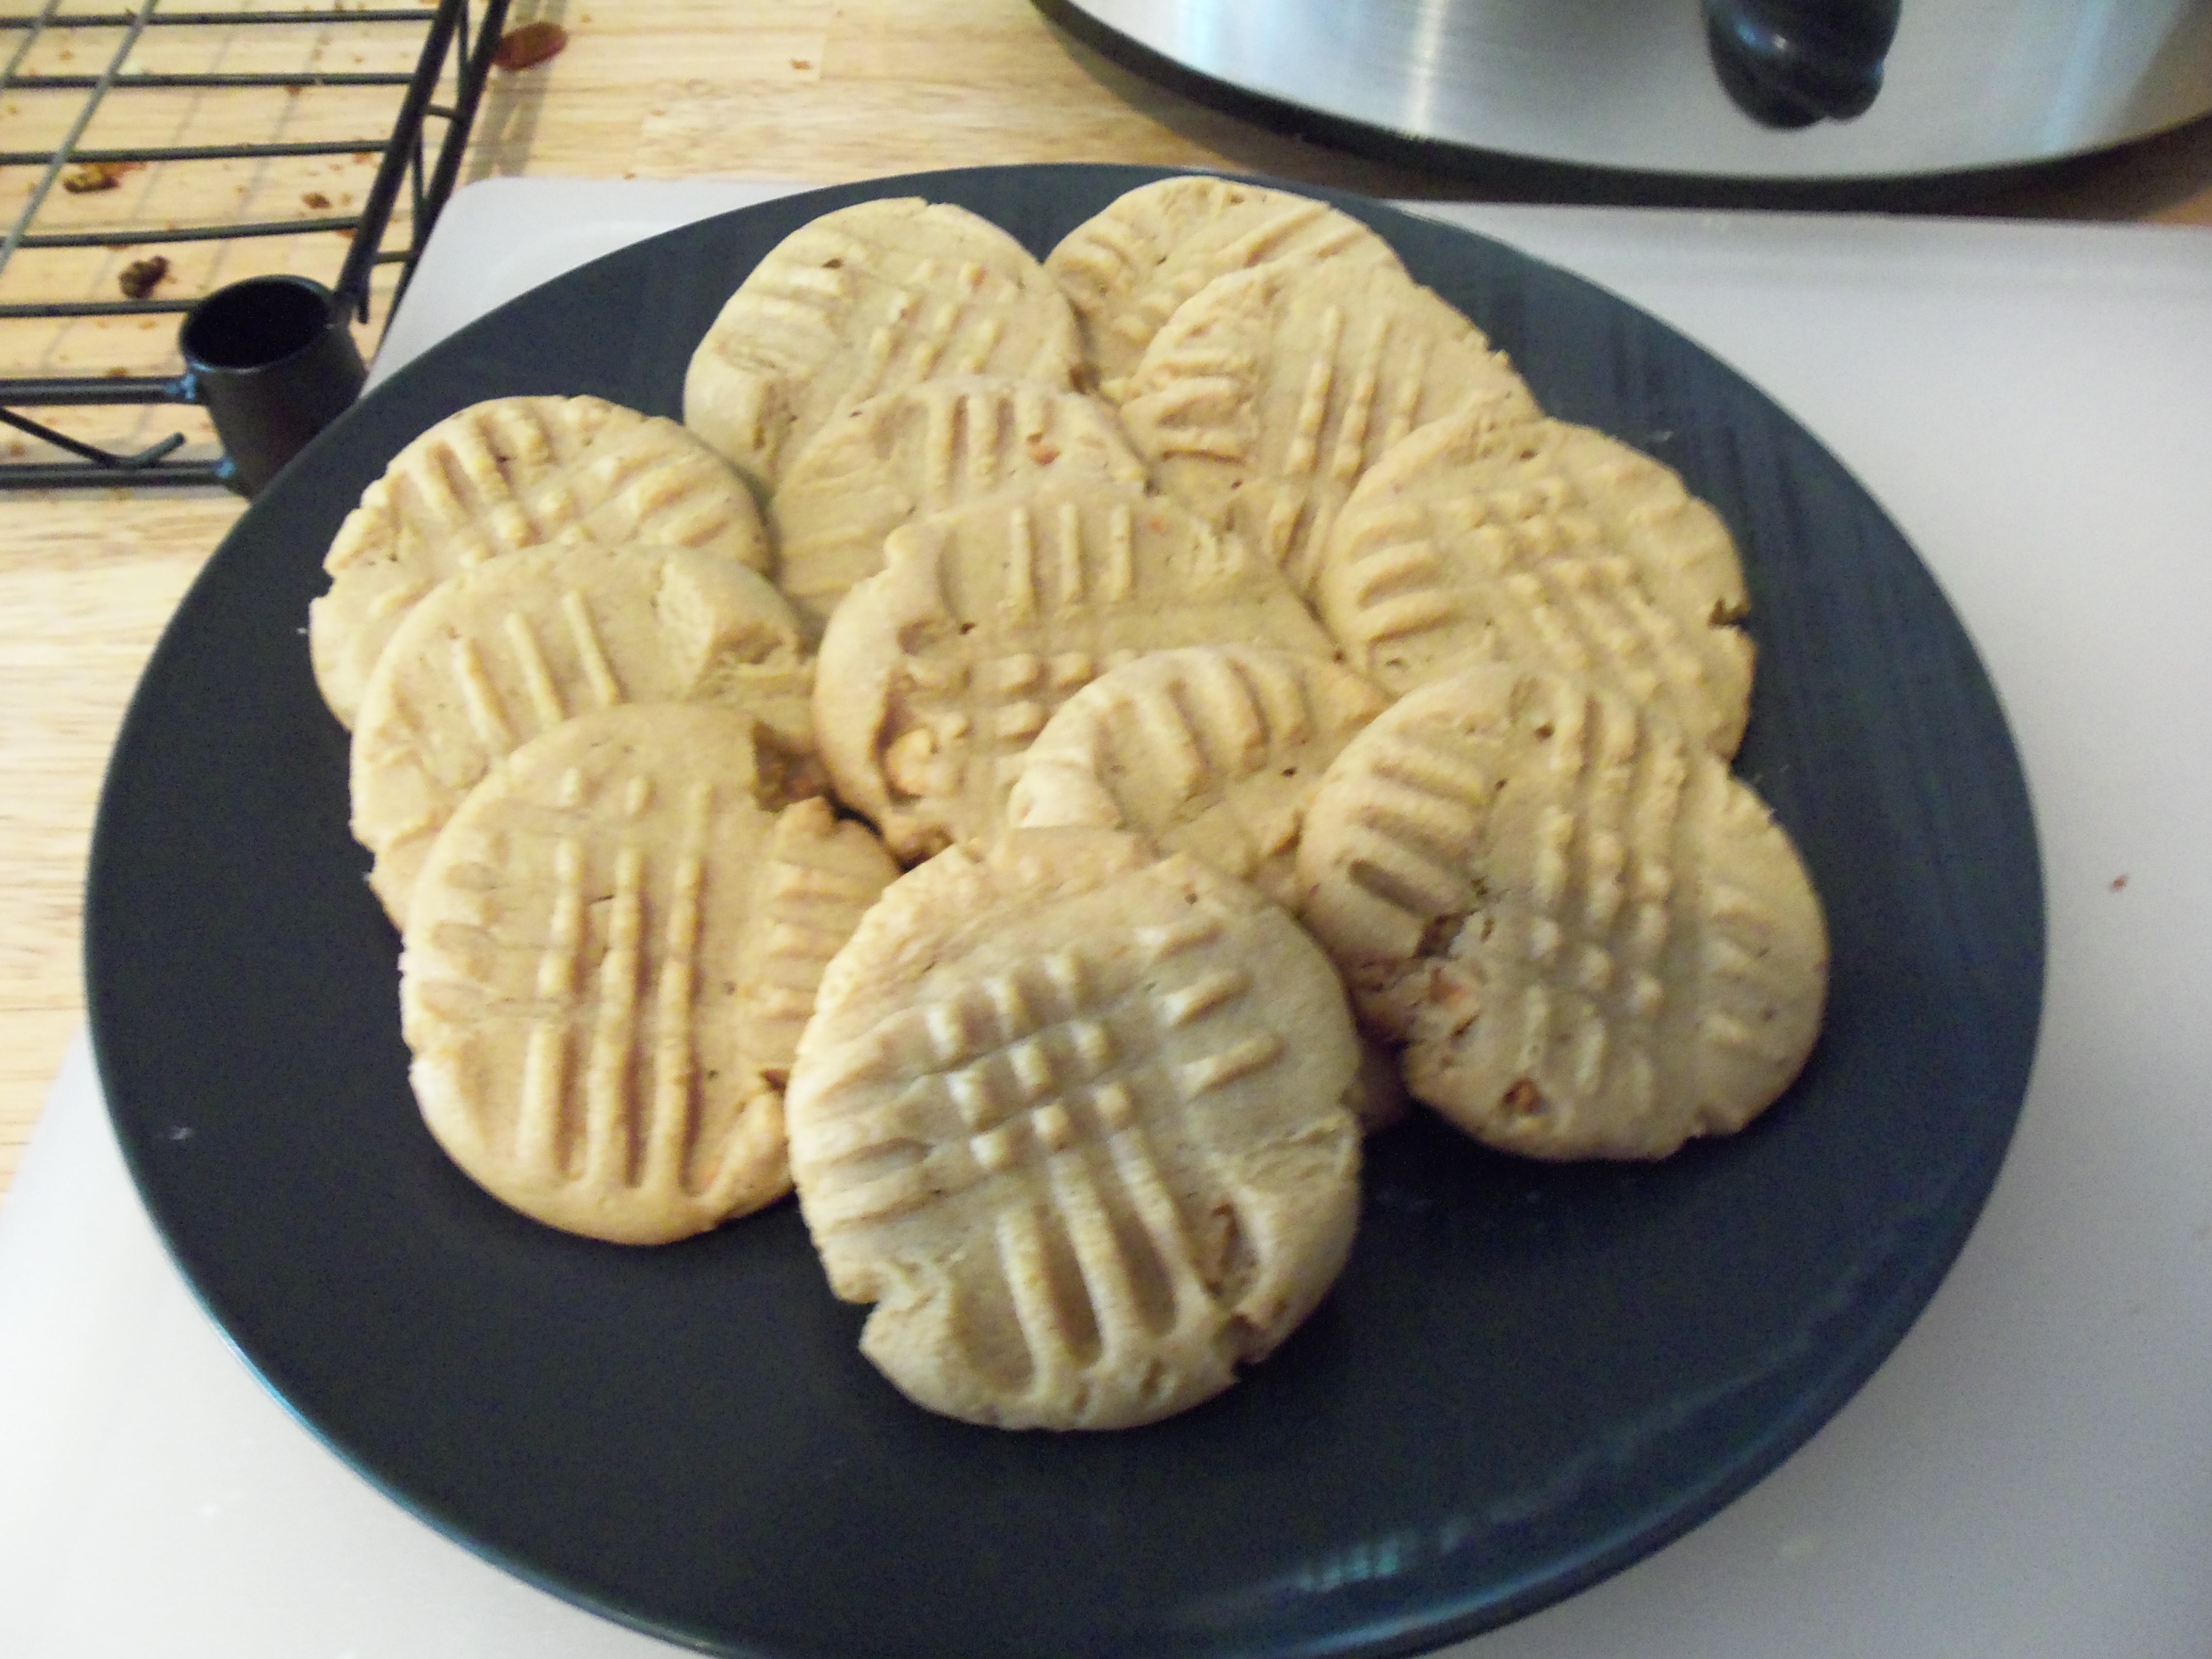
(1212, 750)
(1071, 1115)
(937, 672)
(511, 473)
(1592, 940)
(1271, 391)
(1127, 269)
(861, 301)
(923, 449)
(611, 950)
(515, 646)
(1473, 541)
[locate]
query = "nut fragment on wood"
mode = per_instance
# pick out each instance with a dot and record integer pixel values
(86, 177)
(532, 44)
(141, 276)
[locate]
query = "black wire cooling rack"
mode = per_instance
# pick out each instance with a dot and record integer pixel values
(45, 93)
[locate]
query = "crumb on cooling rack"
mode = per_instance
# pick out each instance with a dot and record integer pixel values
(141, 276)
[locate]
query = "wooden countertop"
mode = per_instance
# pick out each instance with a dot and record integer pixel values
(819, 90)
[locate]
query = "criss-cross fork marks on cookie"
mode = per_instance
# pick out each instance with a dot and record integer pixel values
(1130, 267)
(520, 471)
(819, 878)
(598, 969)
(1268, 398)
(928, 448)
(843, 316)
(1212, 750)
(414, 760)
(556, 662)
(1553, 588)
(1056, 1076)
(941, 321)
(505, 475)
(513, 650)
(1336, 234)
(1597, 923)
(974, 441)
(1613, 952)
(988, 707)
(499, 729)
(1073, 599)
(614, 1098)
(1196, 400)
(967, 727)
(1545, 543)
(625, 1026)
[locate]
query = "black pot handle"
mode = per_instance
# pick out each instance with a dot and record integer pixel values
(1792, 63)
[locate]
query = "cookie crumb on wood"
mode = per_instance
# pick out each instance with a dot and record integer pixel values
(87, 178)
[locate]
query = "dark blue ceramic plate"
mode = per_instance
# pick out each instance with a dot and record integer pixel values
(1529, 1378)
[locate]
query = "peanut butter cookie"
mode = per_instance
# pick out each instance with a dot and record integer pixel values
(1071, 1117)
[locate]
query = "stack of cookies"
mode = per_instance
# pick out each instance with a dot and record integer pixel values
(1043, 757)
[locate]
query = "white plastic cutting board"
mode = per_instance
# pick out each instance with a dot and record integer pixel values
(2028, 1477)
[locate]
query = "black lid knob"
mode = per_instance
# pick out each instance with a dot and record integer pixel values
(1792, 63)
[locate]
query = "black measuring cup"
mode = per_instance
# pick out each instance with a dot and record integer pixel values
(273, 362)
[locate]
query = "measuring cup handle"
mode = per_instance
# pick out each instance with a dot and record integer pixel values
(273, 362)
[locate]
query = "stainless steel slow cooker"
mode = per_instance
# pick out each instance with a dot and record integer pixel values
(1754, 89)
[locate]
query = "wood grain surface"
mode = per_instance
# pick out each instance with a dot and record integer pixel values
(813, 90)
